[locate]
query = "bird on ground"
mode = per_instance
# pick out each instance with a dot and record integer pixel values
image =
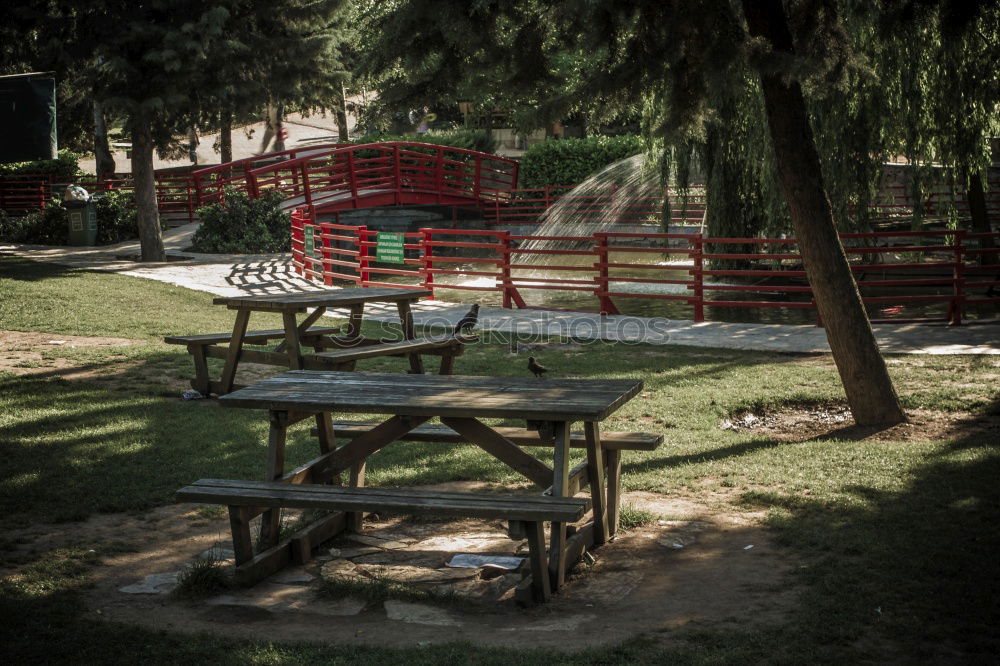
(536, 367)
(469, 321)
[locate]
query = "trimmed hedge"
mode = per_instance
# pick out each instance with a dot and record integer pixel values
(244, 225)
(479, 140)
(65, 167)
(571, 161)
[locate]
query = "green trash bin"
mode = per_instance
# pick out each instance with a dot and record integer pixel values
(82, 222)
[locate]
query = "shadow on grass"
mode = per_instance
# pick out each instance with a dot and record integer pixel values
(908, 576)
(73, 448)
(24, 270)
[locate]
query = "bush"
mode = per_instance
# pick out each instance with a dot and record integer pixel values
(116, 217)
(65, 167)
(116, 222)
(571, 161)
(47, 227)
(244, 226)
(469, 139)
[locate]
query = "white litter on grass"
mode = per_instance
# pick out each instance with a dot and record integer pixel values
(57, 342)
(748, 547)
(475, 561)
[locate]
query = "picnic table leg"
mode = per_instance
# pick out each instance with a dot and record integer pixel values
(303, 327)
(201, 382)
(613, 460)
(356, 519)
(560, 488)
(406, 321)
(233, 354)
(354, 320)
(595, 473)
(292, 347)
(270, 522)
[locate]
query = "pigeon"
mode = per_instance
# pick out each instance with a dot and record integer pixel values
(537, 369)
(468, 322)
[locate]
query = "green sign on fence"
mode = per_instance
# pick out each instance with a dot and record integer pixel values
(389, 248)
(309, 239)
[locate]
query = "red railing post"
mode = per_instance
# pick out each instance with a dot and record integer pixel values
(439, 174)
(477, 184)
(957, 306)
(505, 284)
(197, 188)
(397, 172)
(699, 283)
(361, 233)
(425, 242)
(297, 229)
(603, 274)
(325, 252)
(352, 176)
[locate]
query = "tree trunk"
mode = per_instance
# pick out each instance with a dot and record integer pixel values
(102, 150)
(870, 393)
(226, 136)
(342, 132)
(980, 217)
(150, 236)
(279, 128)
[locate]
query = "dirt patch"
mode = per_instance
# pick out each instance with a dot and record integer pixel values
(26, 353)
(834, 421)
(31, 354)
(697, 567)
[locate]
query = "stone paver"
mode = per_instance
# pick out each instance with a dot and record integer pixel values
(234, 275)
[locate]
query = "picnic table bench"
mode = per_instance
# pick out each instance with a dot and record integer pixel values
(550, 406)
(334, 348)
(248, 499)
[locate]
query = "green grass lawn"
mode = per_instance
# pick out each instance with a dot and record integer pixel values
(900, 538)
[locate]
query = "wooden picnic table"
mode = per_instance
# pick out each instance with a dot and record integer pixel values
(548, 406)
(333, 348)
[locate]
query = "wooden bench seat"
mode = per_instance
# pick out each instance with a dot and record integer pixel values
(247, 499)
(436, 432)
(251, 337)
(393, 348)
(344, 359)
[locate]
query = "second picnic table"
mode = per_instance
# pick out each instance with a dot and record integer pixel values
(334, 348)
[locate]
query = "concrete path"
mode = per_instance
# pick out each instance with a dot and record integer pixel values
(235, 275)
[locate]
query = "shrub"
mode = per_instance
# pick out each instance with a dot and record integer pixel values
(571, 161)
(47, 227)
(65, 167)
(242, 225)
(116, 217)
(469, 139)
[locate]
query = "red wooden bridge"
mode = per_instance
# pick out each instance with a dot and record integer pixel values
(346, 176)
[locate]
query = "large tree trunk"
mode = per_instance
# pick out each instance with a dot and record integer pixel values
(102, 150)
(150, 236)
(870, 393)
(343, 134)
(980, 215)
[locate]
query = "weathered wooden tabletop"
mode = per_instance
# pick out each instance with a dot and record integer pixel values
(438, 395)
(331, 298)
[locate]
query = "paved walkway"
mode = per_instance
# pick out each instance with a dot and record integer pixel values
(234, 275)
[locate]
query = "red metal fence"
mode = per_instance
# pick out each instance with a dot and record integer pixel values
(942, 272)
(22, 194)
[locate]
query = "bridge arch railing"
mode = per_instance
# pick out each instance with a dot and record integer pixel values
(387, 173)
(211, 182)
